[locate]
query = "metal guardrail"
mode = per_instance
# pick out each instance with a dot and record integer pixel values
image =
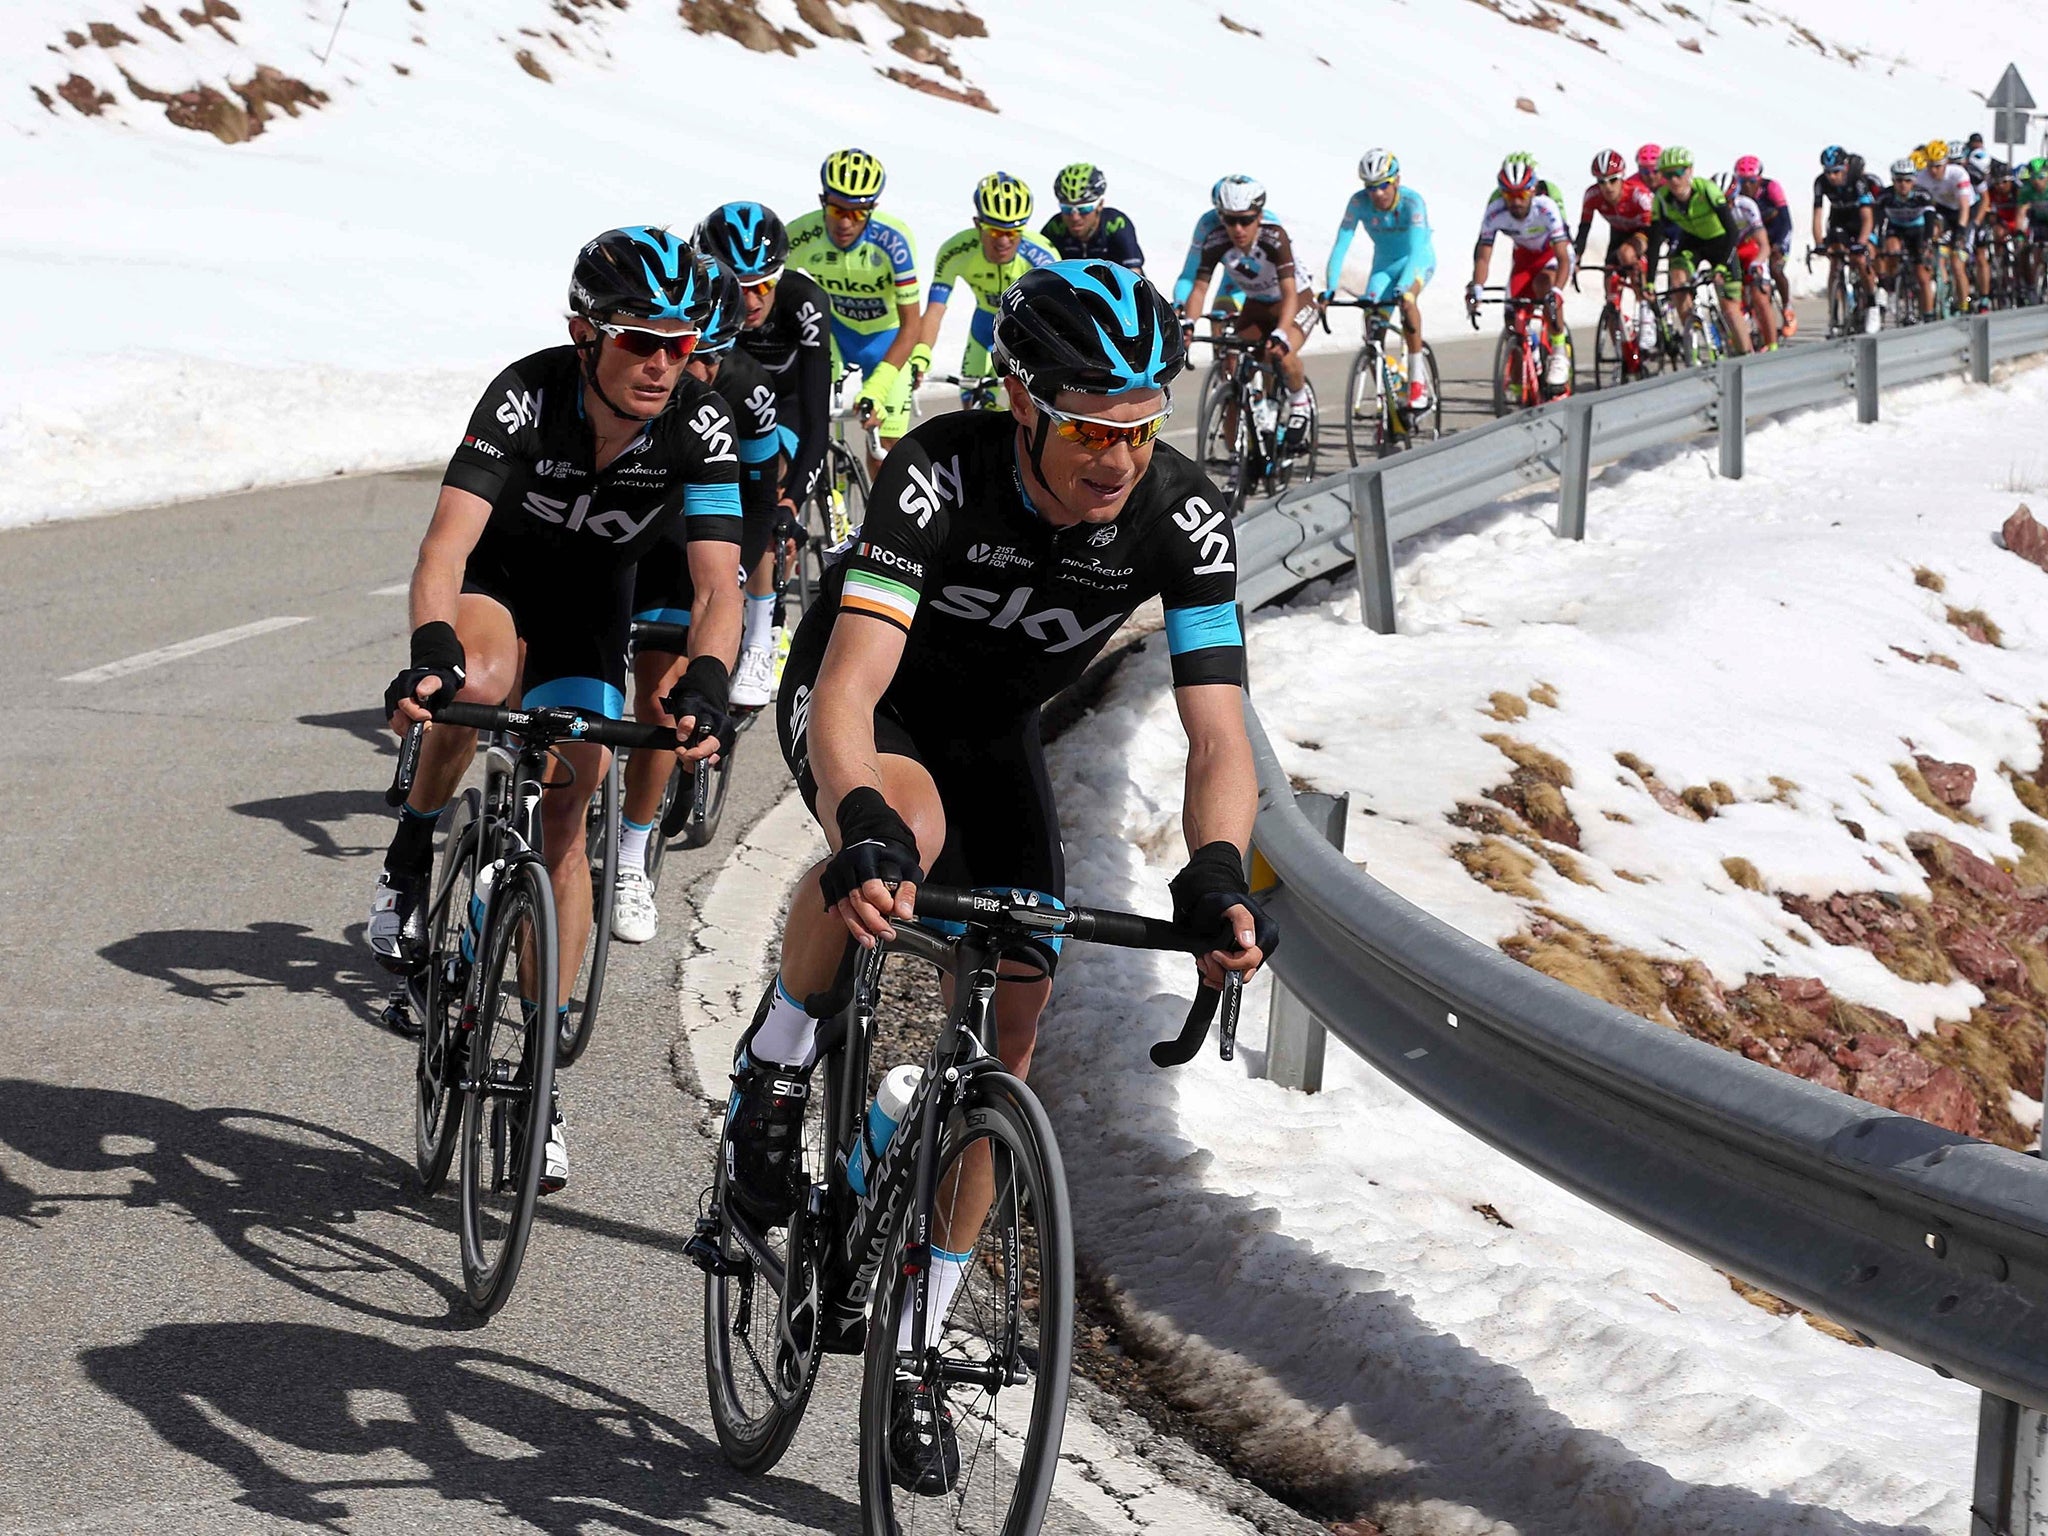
(1319, 528)
(1925, 1242)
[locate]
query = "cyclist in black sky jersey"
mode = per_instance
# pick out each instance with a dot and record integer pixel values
(788, 333)
(999, 554)
(664, 593)
(578, 460)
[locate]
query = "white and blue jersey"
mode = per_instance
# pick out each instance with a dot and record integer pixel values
(1403, 253)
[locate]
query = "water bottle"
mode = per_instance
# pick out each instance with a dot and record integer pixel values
(479, 898)
(891, 1100)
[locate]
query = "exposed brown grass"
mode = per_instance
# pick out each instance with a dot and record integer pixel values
(1778, 1306)
(1933, 581)
(1545, 695)
(1534, 790)
(1505, 706)
(2031, 867)
(1916, 786)
(1497, 863)
(1977, 625)
(1593, 964)
(1743, 873)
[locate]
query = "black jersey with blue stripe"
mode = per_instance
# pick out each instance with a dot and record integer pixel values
(1003, 609)
(530, 452)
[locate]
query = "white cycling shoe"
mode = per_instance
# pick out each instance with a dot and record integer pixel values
(1558, 371)
(753, 680)
(554, 1167)
(634, 917)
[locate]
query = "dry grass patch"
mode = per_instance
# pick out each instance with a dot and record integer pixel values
(1976, 624)
(1593, 964)
(2031, 867)
(1916, 786)
(1499, 865)
(1506, 706)
(1933, 581)
(1778, 1306)
(1743, 873)
(1534, 791)
(1545, 695)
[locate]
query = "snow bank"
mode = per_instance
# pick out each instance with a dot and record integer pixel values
(365, 265)
(1320, 1268)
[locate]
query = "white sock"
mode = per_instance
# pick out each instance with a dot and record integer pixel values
(787, 1034)
(759, 623)
(633, 844)
(1299, 396)
(948, 1270)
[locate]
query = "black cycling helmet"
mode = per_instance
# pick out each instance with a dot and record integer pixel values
(639, 271)
(724, 312)
(748, 237)
(1091, 326)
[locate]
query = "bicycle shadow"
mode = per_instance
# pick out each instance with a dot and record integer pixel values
(308, 817)
(367, 725)
(273, 1405)
(265, 956)
(285, 1194)
(1281, 1338)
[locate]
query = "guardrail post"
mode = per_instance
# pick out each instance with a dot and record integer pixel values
(1729, 421)
(1866, 379)
(1375, 554)
(1574, 469)
(1295, 1037)
(2010, 1494)
(1980, 348)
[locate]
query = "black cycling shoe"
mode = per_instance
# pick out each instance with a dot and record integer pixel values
(764, 1122)
(398, 928)
(924, 1456)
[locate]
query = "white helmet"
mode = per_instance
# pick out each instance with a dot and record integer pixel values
(1903, 167)
(1720, 180)
(1240, 194)
(1978, 160)
(1378, 165)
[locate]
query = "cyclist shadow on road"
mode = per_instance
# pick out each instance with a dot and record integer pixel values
(308, 1419)
(309, 816)
(287, 957)
(324, 1212)
(366, 725)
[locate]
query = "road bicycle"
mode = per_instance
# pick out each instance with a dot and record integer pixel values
(1241, 426)
(1848, 308)
(837, 503)
(1899, 277)
(1522, 359)
(1690, 333)
(1378, 417)
(490, 1037)
(1619, 356)
(857, 1251)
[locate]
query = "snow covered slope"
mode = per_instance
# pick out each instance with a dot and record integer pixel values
(187, 314)
(1375, 1306)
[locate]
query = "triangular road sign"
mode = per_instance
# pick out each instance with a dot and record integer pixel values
(2011, 93)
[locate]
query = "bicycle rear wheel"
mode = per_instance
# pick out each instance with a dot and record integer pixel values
(602, 851)
(1507, 373)
(762, 1333)
(435, 1099)
(1223, 436)
(1427, 425)
(1000, 1363)
(1365, 419)
(508, 1091)
(1610, 353)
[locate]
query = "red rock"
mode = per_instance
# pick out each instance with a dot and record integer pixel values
(1979, 956)
(1756, 1050)
(1668, 799)
(1803, 992)
(1963, 866)
(1892, 1077)
(2028, 920)
(1866, 1051)
(1952, 783)
(1808, 1061)
(1944, 1099)
(2026, 538)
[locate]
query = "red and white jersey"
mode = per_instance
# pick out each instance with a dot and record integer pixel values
(1536, 230)
(1949, 186)
(1632, 214)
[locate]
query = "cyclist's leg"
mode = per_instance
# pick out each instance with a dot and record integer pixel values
(662, 594)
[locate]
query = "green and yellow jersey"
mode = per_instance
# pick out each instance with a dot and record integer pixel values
(865, 282)
(961, 260)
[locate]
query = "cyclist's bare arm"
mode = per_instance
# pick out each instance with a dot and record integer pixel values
(458, 522)
(1220, 798)
(928, 327)
(1198, 298)
(908, 333)
(1562, 249)
(1482, 262)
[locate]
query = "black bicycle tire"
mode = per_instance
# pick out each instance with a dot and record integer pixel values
(1838, 303)
(434, 1125)
(488, 1284)
(1361, 363)
(698, 834)
(573, 1034)
(1609, 371)
(758, 1451)
(1217, 389)
(1503, 355)
(993, 1096)
(1435, 412)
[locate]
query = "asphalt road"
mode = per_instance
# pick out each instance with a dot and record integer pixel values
(225, 1305)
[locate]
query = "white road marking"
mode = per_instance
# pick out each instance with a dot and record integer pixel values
(178, 652)
(399, 590)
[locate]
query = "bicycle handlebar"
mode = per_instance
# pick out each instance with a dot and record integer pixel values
(1123, 930)
(655, 636)
(540, 726)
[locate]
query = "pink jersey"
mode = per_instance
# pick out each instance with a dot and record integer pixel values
(1631, 215)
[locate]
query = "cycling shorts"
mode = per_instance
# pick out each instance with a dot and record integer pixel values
(573, 633)
(1717, 256)
(664, 591)
(1526, 264)
(1262, 314)
(1403, 275)
(863, 350)
(1847, 231)
(1002, 829)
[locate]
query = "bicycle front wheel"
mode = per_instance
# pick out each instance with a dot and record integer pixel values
(435, 1098)
(1507, 373)
(998, 1365)
(1364, 418)
(1224, 435)
(508, 1092)
(1610, 355)
(601, 848)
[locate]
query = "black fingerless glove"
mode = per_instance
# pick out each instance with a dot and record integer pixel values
(437, 654)
(1209, 886)
(702, 693)
(874, 844)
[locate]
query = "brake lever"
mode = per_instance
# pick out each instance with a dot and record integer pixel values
(1183, 1049)
(408, 764)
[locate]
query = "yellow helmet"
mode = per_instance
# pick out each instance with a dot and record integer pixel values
(1937, 152)
(852, 176)
(1002, 201)
(1919, 158)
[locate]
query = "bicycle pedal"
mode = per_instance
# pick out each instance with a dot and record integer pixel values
(702, 1251)
(398, 1016)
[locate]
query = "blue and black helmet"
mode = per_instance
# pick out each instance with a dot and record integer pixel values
(747, 236)
(640, 271)
(1833, 156)
(724, 313)
(1091, 326)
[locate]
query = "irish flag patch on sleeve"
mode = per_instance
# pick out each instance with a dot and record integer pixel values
(866, 592)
